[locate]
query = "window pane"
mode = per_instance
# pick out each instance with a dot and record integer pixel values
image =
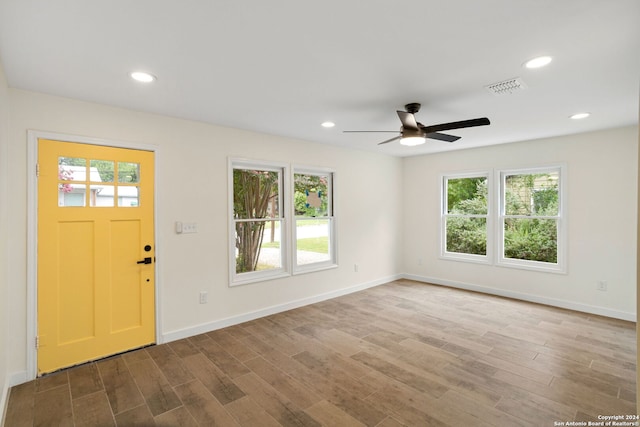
(128, 172)
(467, 235)
(532, 194)
(72, 169)
(72, 195)
(128, 196)
(467, 195)
(255, 194)
(311, 196)
(531, 239)
(101, 195)
(312, 241)
(255, 250)
(101, 170)
(65, 175)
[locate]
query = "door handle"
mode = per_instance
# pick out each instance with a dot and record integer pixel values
(145, 261)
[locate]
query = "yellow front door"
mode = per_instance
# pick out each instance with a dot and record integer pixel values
(96, 249)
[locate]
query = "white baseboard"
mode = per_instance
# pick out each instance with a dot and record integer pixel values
(18, 378)
(570, 305)
(234, 320)
(3, 402)
(11, 380)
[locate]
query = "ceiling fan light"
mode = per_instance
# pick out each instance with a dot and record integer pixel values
(413, 141)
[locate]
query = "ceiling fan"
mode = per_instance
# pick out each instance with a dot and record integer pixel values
(413, 132)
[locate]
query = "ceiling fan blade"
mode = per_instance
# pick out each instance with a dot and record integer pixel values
(483, 121)
(390, 140)
(408, 120)
(369, 131)
(442, 137)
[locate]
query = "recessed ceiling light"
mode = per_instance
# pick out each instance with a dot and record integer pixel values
(538, 62)
(328, 124)
(579, 116)
(143, 77)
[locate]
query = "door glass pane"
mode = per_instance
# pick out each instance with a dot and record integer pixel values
(72, 169)
(101, 170)
(312, 241)
(256, 247)
(71, 194)
(101, 195)
(128, 197)
(128, 172)
(65, 176)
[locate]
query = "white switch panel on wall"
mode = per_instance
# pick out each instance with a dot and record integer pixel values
(189, 227)
(186, 227)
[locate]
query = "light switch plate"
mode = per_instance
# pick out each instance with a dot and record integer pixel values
(189, 227)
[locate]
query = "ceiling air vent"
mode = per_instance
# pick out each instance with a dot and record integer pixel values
(506, 87)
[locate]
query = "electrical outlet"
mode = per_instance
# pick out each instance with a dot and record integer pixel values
(203, 297)
(355, 267)
(602, 285)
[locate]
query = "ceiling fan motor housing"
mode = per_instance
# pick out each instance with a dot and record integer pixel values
(412, 108)
(413, 133)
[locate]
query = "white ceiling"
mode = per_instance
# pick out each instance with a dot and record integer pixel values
(284, 66)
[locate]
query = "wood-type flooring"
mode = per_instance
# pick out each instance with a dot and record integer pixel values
(400, 354)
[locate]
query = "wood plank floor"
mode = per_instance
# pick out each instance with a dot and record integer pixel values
(401, 354)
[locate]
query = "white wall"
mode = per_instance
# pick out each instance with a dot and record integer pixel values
(192, 187)
(388, 216)
(602, 211)
(4, 304)
(638, 280)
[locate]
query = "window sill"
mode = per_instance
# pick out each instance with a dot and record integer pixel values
(311, 268)
(542, 267)
(476, 259)
(257, 276)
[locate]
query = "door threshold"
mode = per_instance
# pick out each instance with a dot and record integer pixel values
(99, 359)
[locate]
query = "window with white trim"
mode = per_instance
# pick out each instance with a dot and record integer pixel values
(258, 222)
(279, 220)
(531, 220)
(527, 227)
(465, 217)
(314, 246)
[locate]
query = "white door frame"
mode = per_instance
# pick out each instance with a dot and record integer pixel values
(32, 232)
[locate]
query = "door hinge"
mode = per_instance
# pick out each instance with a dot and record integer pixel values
(37, 343)
(37, 170)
